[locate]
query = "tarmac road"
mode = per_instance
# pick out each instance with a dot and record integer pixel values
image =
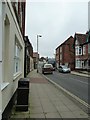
(77, 85)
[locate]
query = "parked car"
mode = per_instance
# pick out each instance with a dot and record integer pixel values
(64, 69)
(53, 62)
(54, 68)
(47, 68)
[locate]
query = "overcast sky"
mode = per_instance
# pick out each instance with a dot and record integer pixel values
(55, 21)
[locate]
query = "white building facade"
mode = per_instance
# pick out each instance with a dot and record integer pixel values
(89, 15)
(11, 54)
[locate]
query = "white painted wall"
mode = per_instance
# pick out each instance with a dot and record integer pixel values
(89, 15)
(9, 82)
(0, 59)
(0, 31)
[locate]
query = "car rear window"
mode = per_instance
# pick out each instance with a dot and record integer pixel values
(64, 67)
(47, 66)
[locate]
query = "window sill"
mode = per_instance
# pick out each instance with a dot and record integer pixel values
(16, 75)
(78, 54)
(4, 85)
(78, 67)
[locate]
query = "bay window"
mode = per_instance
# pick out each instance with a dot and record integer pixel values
(78, 50)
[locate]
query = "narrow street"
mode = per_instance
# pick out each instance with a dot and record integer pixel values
(47, 101)
(44, 37)
(77, 85)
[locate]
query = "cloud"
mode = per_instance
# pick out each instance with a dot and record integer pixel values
(55, 22)
(63, 1)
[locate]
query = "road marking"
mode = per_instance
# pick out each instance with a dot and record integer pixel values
(66, 91)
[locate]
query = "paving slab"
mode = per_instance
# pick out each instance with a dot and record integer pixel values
(46, 101)
(40, 115)
(62, 108)
(36, 109)
(80, 114)
(52, 115)
(67, 114)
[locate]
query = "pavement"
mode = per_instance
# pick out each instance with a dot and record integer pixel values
(47, 101)
(81, 73)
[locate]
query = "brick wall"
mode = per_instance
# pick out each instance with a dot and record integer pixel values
(66, 56)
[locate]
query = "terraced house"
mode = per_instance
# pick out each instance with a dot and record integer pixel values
(12, 27)
(81, 51)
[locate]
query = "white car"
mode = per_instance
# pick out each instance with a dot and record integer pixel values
(64, 69)
(47, 68)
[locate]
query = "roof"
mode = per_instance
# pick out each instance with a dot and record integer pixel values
(81, 37)
(64, 42)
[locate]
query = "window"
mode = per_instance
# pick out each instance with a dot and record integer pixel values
(89, 48)
(78, 63)
(78, 50)
(17, 57)
(84, 50)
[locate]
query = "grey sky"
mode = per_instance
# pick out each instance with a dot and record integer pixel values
(55, 21)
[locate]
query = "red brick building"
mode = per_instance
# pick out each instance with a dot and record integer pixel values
(65, 53)
(81, 51)
(35, 59)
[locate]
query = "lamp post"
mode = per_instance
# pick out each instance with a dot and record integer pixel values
(37, 51)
